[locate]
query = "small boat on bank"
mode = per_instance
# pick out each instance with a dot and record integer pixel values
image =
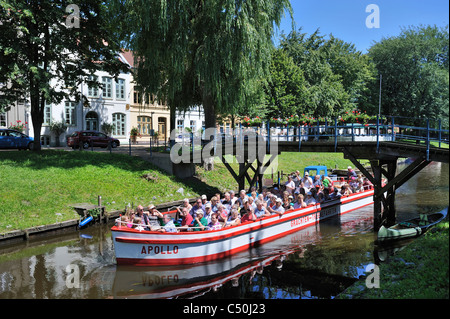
(152, 248)
(410, 228)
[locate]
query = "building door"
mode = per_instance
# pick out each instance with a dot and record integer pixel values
(92, 121)
(162, 128)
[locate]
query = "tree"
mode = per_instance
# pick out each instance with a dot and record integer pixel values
(285, 90)
(203, 52)
(336, 74)
(46, 52)
(415, 73)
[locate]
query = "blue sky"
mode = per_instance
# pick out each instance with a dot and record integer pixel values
(346, 19)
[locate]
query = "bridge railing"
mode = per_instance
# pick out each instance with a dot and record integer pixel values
(385, 128)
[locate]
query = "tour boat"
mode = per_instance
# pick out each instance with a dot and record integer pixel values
(150, 248)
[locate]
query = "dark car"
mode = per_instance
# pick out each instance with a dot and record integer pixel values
(15, 139)
(91, 139)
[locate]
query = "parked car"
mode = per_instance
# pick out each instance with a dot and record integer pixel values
(91, 138)
(15, 139)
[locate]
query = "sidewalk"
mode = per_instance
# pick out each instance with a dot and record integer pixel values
(140, 150)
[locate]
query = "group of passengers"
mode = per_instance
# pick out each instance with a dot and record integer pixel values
(231, 210)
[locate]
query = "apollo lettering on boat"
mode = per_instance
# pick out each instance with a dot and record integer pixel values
(163, 250)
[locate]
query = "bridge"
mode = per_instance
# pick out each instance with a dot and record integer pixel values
(381, 143)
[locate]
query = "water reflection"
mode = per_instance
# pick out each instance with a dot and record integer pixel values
(317, 262)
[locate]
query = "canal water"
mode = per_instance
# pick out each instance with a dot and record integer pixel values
(317, 262)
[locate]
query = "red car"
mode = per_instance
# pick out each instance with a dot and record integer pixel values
(91, 138)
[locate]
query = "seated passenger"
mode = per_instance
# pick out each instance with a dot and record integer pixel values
(153, 216)
(200, 222)
(251, 202)
(123, 221)
(137, 223)
(317, 181)
(278, 208)
(198, 205)
(335, 194)
(359, 187)
(326, 181)
(249, 214)
(214, 202)
(214, 224)
(208, 212)
(320, 198)
(234, 219)
(169, 226)
(222, 213)
(240, 200)
(185, 204)
(227, 201)
(260, 210)
(345, 189)
(310, 200)
(300, 203)
(367, 184)
(290, 185)
(186, 219)
(307, 182)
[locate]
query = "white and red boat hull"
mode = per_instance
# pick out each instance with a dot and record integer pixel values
(145, 248)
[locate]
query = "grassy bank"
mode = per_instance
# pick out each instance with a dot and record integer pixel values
(419, 271)
(37, 188)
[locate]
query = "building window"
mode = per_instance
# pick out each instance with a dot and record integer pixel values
(107, 87)
(136, 97)
(45, 140)
(144, 124)
(120, 89)
(192, 126)
(47, 114)
(70, 115)
(3, 120)
(180, 126)
(93, 91)
(118, 119)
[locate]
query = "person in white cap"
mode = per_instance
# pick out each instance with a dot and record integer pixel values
(277, 208)
(351, 173)
(307, 182)
(204, 200)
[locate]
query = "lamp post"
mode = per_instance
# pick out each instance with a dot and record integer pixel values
(379, 99)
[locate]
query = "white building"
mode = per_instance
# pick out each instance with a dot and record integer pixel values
(108, 104)
(193, 120)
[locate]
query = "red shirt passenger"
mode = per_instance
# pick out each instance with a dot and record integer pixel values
(186, 218)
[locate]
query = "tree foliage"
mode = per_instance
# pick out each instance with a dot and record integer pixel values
(334, 74)
(415, 72)
(203, 52)
(43, 59)
(285, 90)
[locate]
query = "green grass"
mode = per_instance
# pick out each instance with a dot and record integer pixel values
(37, 188)
(420, 271)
